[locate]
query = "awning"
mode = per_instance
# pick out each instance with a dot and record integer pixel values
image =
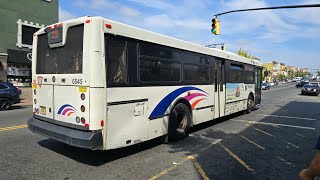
(18, 57)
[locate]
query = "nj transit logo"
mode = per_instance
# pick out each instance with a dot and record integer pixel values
(66, 110)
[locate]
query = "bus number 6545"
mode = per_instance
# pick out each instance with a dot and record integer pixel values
(76, 81)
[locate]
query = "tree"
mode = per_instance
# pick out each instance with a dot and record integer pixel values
(245, 54)
(302, 74)
(290, 74)
(318, 72)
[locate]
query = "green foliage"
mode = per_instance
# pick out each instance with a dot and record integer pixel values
(318, 72)
(245, 54)
(281, 76)
(301, 74)
(290, 74)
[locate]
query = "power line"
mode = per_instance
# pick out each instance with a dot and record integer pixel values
(275, 7)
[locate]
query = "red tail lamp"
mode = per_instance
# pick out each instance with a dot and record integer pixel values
(83, 120)
(102, 123)
(88, 21)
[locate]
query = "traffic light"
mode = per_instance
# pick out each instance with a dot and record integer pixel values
(215, 26)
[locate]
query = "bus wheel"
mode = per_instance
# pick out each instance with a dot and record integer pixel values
(250, 104)
(179, 122)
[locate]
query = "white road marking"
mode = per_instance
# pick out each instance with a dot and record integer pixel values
(288, 117)
(264, 132)
(281, 159)
(299, 135)
(291, 144)
(264, 123)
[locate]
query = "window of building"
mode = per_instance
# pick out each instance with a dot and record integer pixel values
(25, 33)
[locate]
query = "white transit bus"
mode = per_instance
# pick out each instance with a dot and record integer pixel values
(100, 84)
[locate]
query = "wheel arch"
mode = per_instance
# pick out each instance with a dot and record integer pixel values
(251, 94)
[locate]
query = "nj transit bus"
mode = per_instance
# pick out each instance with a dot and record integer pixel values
(100, 84)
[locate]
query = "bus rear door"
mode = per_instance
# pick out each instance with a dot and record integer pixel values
(62, 76)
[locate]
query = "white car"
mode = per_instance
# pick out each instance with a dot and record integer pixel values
(271, 84)
(315, 82)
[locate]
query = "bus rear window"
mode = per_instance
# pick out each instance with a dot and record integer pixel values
(66, 59)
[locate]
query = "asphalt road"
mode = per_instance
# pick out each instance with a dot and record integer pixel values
(273, 142)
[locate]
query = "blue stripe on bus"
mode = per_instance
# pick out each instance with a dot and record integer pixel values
(163, 105)
(62, 107)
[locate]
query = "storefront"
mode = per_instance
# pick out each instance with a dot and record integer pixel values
(19, 67)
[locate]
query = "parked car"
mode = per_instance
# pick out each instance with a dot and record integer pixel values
(301, 84)
(265, 86)
(310, 89)
(272, 84)
(9, 95)
(315, 82)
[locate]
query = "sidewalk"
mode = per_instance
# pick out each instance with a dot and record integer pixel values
(26, 96)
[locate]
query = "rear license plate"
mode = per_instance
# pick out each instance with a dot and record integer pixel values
(43, 110)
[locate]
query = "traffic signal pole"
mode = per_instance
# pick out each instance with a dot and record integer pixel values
(216, 23)
(266, 8)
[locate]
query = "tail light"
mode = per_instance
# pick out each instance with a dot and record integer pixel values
(83, 120)
(18, 90)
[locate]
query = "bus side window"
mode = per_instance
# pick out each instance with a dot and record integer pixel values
(116, 57)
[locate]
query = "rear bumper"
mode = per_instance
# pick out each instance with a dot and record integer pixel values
(16, 100)
(73, 137)
(309, 92)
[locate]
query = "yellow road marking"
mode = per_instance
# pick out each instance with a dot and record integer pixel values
(199, 168)
(237, 158)
(263, 132)
(252, 142)
(167, 170)
(13, 127)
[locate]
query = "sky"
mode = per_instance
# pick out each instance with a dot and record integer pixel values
(290, 36)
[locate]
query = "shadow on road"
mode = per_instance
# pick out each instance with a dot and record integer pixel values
(281, 155)
(96, 158)
(278, 152)
(15, 107)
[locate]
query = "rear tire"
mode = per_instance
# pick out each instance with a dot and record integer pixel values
(5, 103)
(179, 122)
(250, 104)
